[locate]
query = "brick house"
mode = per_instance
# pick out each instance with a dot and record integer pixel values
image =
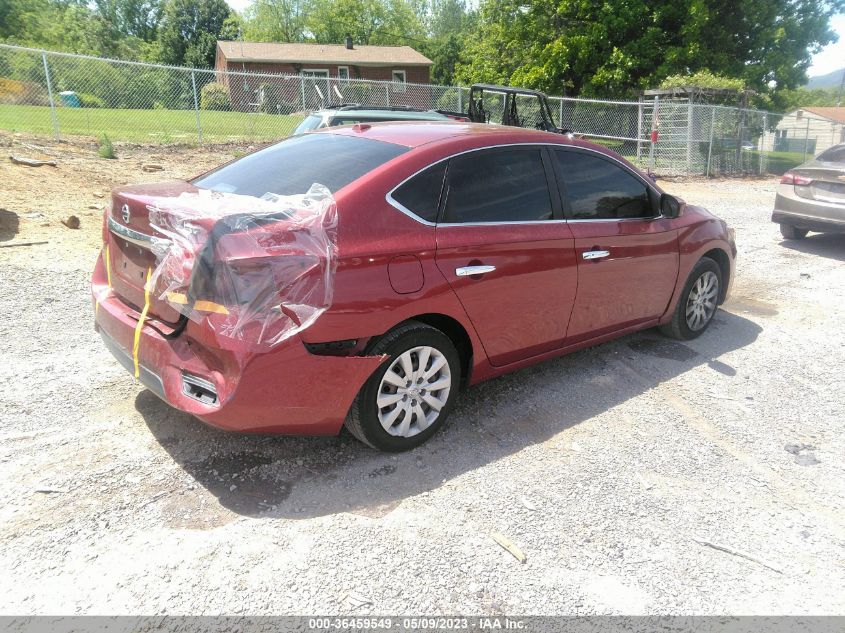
(321, 75)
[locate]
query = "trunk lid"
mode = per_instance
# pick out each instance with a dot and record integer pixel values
(828, 184)
(130, 239)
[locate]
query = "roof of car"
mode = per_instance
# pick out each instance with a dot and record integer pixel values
(414, 134)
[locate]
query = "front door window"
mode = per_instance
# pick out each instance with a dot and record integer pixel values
(506, 252)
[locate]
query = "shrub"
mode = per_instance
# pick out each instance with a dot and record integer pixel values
(106, 150)
(703, 79)
(87, 100)
(214, 96)
(22, 92)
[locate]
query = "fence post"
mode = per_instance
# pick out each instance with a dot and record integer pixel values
(689, 137)
(460, 99)
(387, 94)
(806, 140)
(710, 144)
(302, 91)
(560, 116)
(639, 127)
(196, 106)
(53, 114)
(762, 144)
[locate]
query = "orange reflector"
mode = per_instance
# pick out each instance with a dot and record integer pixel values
(200, 306)
(210, 306)
(177, 297)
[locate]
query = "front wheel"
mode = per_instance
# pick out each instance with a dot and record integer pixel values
(409, 397)
(698, 302)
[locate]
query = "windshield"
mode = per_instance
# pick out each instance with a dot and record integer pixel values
(292, 166)
(311, 122)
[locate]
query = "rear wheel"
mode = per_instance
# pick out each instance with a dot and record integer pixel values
(410, 396)
(790, 232)
(698, 302)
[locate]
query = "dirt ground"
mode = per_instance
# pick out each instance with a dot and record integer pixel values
(642, 476)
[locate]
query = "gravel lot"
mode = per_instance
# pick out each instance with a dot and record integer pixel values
(619, 471)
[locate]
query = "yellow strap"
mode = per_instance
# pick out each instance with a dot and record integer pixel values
(141, 320)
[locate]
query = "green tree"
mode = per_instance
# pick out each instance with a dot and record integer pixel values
(448, 18)
(367, 21)
(445, 52)
(188, 32)
(788, 100)
(448, 25)
(69, 26)
(138, 18)
(617, 48)
(276, 20)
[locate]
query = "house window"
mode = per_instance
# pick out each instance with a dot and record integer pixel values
(311, 72)
(398, 79)
(343, 73)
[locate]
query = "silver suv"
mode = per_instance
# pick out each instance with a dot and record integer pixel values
(350, 114)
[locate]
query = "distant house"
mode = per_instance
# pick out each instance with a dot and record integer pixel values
(324, 70)
(809, 130)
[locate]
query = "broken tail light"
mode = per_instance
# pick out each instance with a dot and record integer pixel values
(254, 269)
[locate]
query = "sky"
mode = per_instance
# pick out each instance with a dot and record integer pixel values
(830, 58)
(239, 5)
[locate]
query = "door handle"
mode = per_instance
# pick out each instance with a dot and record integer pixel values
(468, 271)
(595, 254)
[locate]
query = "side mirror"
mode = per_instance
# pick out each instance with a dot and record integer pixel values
(670, 206)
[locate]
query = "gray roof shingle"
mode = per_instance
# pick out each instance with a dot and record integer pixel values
(268, 52)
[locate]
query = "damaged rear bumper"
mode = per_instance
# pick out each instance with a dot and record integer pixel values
(285, 389)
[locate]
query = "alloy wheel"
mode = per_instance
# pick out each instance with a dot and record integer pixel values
(701, 302)
(413, 391)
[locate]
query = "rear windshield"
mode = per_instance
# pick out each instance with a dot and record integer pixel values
(835, 154)
(292, 166)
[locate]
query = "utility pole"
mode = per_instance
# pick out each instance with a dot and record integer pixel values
(841, 86)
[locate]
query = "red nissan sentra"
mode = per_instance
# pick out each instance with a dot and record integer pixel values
(446, 254)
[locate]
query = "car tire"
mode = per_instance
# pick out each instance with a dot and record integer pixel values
(790, 232)
(408, 415)
(698, 302)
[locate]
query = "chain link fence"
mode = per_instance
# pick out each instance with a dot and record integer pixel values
(64, 95)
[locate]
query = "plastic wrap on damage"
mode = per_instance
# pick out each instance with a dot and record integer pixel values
(257, 270)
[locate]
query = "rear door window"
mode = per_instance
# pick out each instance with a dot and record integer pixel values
(420, 195)
(292, 166)
(498, 186)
